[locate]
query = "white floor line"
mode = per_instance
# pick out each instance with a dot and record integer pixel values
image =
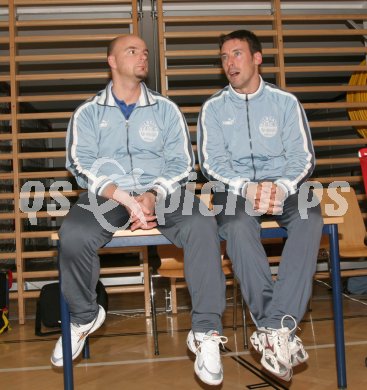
(158, 359)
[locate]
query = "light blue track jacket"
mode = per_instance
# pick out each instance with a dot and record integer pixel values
(150, 149)
(255, 137)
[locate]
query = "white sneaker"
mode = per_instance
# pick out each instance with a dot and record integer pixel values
(274, 346)
(208, 365)
(298, 353)
(270, 343)
(79, 334)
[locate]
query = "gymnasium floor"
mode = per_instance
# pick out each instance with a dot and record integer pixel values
(122, 351)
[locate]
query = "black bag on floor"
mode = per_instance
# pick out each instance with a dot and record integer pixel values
(5, 284)
(48, 307)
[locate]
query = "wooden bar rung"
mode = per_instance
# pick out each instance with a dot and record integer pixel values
(340, 142)
(327, 88)
(42, 135)
(48, 154)
(329, 123)
(202, 19)
(74, 22)
(60, 57)
(323, 32)
(124, 289)
(210, 71)
(210, 34)
(63, 76)
(7, 255)
(64, 38)
(337, 160)
(54, 98)
(325, 68)
(323, 17)
(69, 2)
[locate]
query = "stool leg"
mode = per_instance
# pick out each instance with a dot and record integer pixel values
(168, 300)
(154, 314)
(245, 337)
(66, 337)
(234, 326)
(86, 350)
(66, 344)
(173, 283)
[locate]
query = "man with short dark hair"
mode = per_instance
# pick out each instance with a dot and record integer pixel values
(255, 143)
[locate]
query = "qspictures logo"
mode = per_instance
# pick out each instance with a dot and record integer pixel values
(33, 196)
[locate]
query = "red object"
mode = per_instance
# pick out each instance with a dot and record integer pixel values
(362, 154)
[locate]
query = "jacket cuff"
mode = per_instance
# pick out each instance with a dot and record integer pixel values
(101, 186)
(244, 189)
(160, 190)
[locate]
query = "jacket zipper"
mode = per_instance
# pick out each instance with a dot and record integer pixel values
(250, 138)
(128, 150)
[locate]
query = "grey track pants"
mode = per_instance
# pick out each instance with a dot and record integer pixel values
(82, 234)
(269, 301)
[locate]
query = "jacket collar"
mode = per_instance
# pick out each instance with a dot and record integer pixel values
(146, 98)
(243, 96)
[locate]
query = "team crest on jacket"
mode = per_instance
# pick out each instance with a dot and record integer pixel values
(268, 127)
(148, 131)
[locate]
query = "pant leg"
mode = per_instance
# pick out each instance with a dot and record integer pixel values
(82, 233)
(197, 234)
(244, 248)
(293, 287)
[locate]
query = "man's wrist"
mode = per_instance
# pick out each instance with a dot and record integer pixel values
(153, 191)
(157, 192)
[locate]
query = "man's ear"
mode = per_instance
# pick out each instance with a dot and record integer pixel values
(111, 61)
(258, 58)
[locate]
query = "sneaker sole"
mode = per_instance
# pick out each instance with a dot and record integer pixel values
(192, 347)
(296, 361)
(205, 380)
(296, 358)
(97, 324)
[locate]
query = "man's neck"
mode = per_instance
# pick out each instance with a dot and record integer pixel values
(129, 93)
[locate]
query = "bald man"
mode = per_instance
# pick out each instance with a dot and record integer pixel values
(129, 148)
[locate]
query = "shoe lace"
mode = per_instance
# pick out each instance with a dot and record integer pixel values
(282, 341)
(78, 332)
(283, 338)
(211, 342)
(292, 318)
